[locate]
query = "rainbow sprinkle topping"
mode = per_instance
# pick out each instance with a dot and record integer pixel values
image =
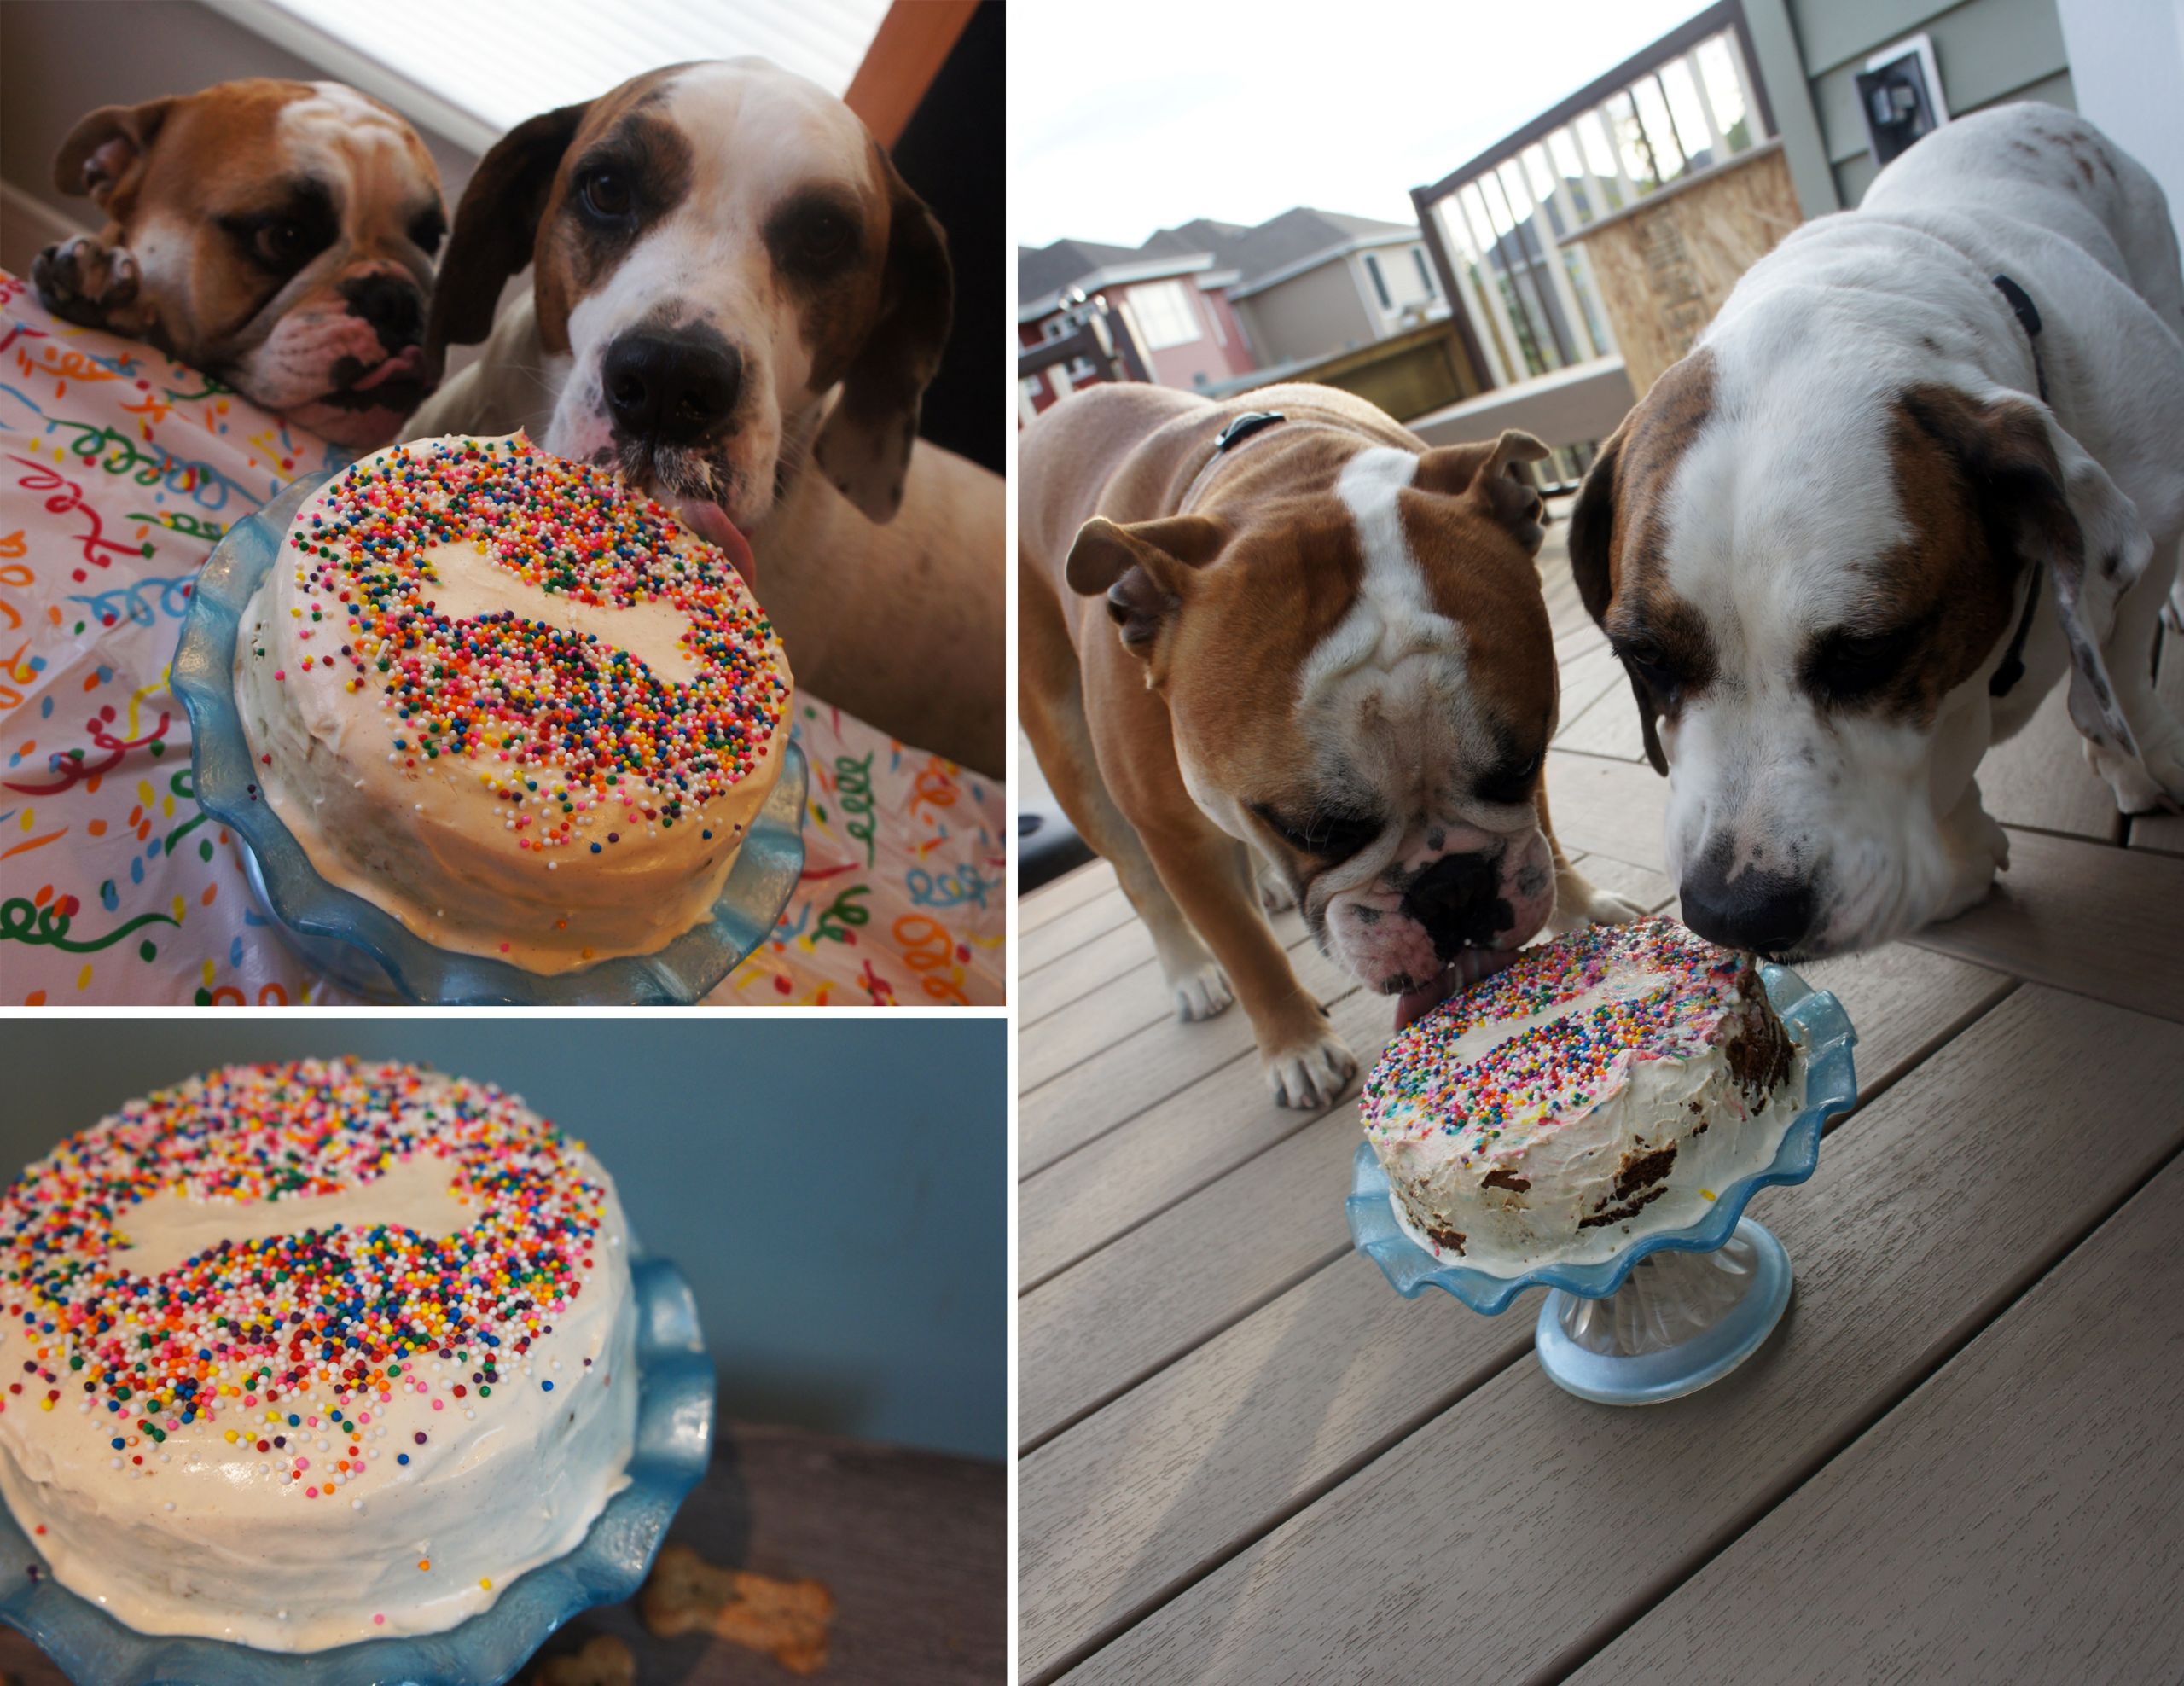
(1651, 991)
(557, 724)
(287, 1345)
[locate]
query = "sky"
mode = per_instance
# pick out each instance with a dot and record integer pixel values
(1135, 115)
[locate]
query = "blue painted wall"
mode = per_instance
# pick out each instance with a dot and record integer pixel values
(836, 1189)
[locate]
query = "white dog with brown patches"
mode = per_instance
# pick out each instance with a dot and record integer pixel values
(278, 235)
(737, 301)
(1928, 460)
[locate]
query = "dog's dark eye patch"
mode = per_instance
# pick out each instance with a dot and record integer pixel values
(427, 228)
(1847, 665)
(1330, 834)
(1510, 779)
(816, 234)
(281, 238)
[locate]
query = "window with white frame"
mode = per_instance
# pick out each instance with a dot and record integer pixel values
(1165, 315)
(1425, 272)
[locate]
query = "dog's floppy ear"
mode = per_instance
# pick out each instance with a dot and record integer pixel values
(104, 153)
(864, 447)
(1592, 535)
(1144, 568)
(495, 227)
(1490, 473)
(2043, 499)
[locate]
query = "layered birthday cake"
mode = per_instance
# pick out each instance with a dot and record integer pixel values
(308, 1354)
(514, 703)
(1603, 1087)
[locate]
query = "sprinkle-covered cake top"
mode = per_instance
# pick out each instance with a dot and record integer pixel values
(558, 722)
(314, 1328)
(1551, 1035)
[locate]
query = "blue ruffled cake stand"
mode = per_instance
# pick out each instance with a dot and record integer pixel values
(674, 1443)
(1671, 1312)
(367, 950)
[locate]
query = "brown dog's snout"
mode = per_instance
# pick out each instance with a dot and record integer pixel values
(670, 386)
(1459, 901)
(393, 304)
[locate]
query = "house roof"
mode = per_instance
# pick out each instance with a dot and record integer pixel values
(1044, 273)
(1298, 240)
(1305, 238)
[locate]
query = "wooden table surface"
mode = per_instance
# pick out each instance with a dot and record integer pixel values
(1961, 1455)
(913, 1545)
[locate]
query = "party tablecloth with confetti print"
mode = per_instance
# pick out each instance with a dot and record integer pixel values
(119, 469)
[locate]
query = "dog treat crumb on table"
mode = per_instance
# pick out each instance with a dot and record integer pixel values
(787, 1618)
(515, 704)
(605, 1660)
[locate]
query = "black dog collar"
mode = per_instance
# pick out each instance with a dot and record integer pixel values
(1244, 426)
(2012, 665)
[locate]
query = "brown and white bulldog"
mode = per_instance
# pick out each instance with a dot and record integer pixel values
(276, 236)
(1306, 657)
(737, 301)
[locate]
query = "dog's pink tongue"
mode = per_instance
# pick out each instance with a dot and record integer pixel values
(407, 361)
(1471, 965)
(711, 523)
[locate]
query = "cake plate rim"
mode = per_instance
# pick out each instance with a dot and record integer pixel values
(671, 1449)
(1831, 1089)
(361, 945)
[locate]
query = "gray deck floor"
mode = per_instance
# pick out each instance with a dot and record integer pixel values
(1245, 1458)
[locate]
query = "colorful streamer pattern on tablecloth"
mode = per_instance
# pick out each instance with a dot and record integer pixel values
(119, 469)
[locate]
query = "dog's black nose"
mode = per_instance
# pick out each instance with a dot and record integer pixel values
(1459, 901)
(670, 388)
(1765, 912)
(395, 308)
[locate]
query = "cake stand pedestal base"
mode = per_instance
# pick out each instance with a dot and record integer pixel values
(1680, 1320)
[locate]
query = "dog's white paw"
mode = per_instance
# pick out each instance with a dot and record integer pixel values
(1604, 907)
(2172, 611)
(1201, 993)
(2145, 783)
(1313, 1075)
(1274, 894)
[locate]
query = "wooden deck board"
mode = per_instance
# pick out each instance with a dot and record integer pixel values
(1145, 1493)
(1069, 1097)
(2103, 922)
(2014, 1519)
(1211, 1257)
(1072, 889)
(1054, 938)
(1537, 1525)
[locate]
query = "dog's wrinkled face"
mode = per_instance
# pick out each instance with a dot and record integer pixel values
(717, 247)
(1363, 687)
(283, 235)
(1810, 597)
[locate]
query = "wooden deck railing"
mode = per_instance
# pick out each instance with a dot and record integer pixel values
(1500, 227)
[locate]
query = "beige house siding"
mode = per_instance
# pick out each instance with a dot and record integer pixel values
(1400, 270)
(1313, 315)
(1988, 52)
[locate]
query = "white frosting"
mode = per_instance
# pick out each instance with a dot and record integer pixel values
(1575, 1160)
(211, 1538)
(427, 840)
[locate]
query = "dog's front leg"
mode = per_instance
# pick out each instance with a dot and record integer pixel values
(94, 285)
(1305, 1062)
(1577, 901)
(1975, 847)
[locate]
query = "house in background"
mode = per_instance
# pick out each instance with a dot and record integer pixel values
(1170, 300)
(1214, 305)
